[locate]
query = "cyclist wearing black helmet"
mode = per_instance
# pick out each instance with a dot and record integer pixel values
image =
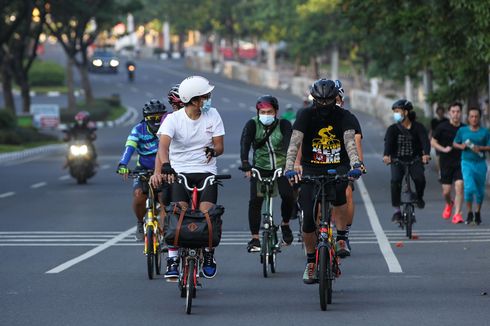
(325, 132)
(268, 137)
(406, 140)
(144, 141)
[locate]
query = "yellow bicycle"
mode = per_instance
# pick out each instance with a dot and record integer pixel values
(153, 236)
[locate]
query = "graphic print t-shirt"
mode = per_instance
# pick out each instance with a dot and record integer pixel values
(323, 142)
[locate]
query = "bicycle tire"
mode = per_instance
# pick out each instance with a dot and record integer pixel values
(158, 256)
(182, 275)
(150, 255)
(273, 254)
(265, 251)
(408, 212)
(190, 286)
(324, 271)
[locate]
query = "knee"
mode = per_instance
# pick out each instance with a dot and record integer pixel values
(139, 195)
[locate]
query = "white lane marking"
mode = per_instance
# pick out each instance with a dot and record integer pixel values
(225, 99)
(148, 94)
(384, 244)
(92, 252)
(242, 105)
(7, 194)
(225, 171)
(232, 166)
(38, 185)
(105, 166)
(64, 177)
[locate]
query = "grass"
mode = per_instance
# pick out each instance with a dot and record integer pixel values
(44, 89)
(15, 148)
(116, 112)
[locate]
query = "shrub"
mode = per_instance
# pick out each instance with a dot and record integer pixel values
(99, 111)
(46, 73)
(7, 120)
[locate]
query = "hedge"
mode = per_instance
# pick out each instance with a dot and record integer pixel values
(99, 111)
(46, 73)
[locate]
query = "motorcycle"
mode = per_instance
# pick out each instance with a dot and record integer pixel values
(81, 160)
(131, 68)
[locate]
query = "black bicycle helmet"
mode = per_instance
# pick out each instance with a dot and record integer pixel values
(266, 100)
(154, 107)
(324, 92)
(402, 104)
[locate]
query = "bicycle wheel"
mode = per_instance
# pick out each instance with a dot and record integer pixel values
(408, 217)
(325, 283)
(182, 276)
(158, 256)
(150, 255)
(273, 252)
(190, 286)
(265, 251)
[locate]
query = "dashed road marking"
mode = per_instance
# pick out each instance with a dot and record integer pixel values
(7, 194)
(38, 185)
(64, 177)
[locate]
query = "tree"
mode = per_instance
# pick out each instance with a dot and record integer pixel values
(20, 50)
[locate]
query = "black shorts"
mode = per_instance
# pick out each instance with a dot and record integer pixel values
(449, 174)
(163, 192)
(209, 194)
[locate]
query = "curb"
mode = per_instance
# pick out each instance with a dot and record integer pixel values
(42, 150)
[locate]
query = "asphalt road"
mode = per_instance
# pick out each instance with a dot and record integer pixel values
(69, 258)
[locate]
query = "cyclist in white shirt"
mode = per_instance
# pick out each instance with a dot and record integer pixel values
(190, 141)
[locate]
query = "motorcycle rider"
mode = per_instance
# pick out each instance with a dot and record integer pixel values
(144, 141)
(82, 129)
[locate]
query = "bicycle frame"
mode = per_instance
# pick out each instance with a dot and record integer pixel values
(270, 243)
(408, 196)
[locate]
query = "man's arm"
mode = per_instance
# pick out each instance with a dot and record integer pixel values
(294, 145)
(350, 146)
(218, 145)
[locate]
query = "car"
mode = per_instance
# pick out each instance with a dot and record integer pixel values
(104, 61)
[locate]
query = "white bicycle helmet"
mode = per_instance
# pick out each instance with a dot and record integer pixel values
(194, 86)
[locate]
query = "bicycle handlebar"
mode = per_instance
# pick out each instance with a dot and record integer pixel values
(329, 178)
(140, 173)
(401, 162)
(212, 179)
(275, 176)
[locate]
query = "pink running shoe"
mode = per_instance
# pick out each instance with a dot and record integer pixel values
(457, 218)
(446, 213)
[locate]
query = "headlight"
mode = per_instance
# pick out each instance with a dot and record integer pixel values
(78, 150)
(97, 62)
(114, 63)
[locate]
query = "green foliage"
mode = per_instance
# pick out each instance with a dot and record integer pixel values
(101, 110)
(46, 73)
(7, 120)
(20, 135)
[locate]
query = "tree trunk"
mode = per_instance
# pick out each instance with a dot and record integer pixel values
(87, 87)
(25, 93)
(427, 79)
(335, 62)
(356, 75)
(315, 68)
(72, 104)
(271, 56)
(8, 95)
(408, 88)
(297, 66)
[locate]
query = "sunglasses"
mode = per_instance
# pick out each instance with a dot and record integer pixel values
(153, 117)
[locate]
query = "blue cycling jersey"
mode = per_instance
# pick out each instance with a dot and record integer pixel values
(146, 145)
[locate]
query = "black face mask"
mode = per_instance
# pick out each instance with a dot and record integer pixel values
(325, 110)
(153, 126)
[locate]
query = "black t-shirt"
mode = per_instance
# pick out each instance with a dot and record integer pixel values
(444, 134)
(323, 142)
(435, 122)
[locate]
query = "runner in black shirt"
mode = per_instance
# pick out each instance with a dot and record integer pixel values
(450, 162)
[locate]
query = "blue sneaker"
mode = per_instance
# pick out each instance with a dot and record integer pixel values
(209, 267)
(172, 268)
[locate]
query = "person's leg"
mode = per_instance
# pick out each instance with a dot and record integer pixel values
(458, 198)
(287, 206)
(418, 176)
(309, 237)
(480, 170)
(254, 208)
(396, 188)
(139, 208)
(469, 188)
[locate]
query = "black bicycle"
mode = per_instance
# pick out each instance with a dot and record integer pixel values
(270, 245)
(327, 261)
(408, 196)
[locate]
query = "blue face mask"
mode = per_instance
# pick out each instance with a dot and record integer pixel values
(206, 105)
(398, 117)
(266, 119)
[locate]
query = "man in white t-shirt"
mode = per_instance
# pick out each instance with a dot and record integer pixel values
(190, 141)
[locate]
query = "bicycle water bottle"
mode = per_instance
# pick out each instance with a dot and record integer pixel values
(470, 144)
